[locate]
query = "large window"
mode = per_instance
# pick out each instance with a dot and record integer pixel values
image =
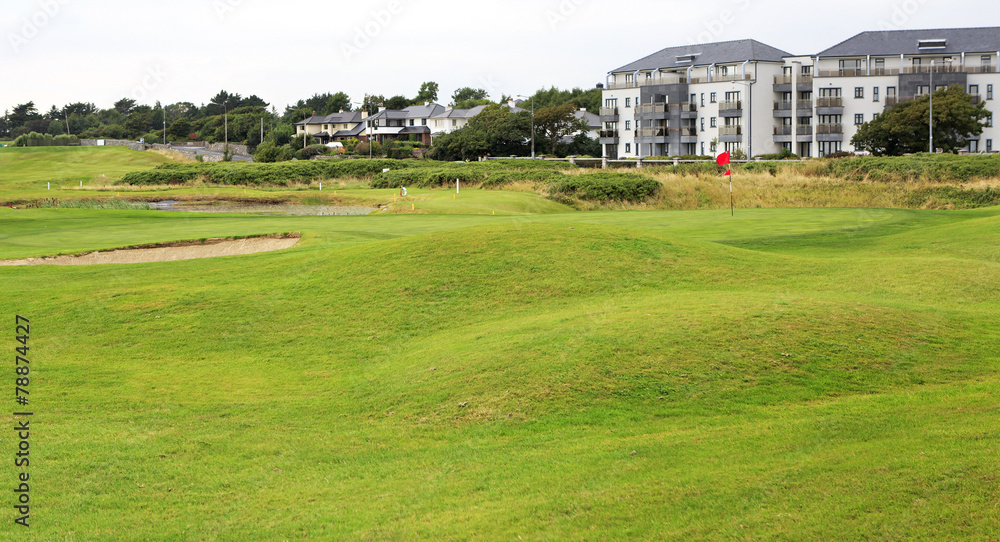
(989, 92)
(859, 92)
(875, 94)
(628, 148)
(713, 97)
(628, 102)
(859, 119)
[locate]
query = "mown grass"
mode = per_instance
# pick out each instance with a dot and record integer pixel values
(823, 374)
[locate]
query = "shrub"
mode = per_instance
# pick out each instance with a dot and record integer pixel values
(606, 186)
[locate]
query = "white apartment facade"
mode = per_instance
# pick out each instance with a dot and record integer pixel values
(702, 99)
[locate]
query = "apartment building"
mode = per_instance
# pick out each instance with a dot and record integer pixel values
(694, 99)
(858, 79)
(703, 99)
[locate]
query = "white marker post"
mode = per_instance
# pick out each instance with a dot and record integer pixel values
(457, 188)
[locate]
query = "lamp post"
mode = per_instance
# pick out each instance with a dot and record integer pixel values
(532, 124)
(931, 90)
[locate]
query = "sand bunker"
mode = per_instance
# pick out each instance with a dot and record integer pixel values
(169, 252)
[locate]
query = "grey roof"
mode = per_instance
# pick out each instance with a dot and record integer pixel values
(412, 112)
(360, 127)
(415, 130)
(705, 54)
(460, 113)
(336, 118)
(593, 120)
(900, 42)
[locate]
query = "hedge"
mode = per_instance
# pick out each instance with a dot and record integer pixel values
(605, 186)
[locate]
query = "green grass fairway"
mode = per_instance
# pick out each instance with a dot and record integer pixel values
(25, 173)
(800, 374)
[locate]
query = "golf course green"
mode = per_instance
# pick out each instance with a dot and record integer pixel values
(542, 373)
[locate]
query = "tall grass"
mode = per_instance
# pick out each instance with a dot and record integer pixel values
(116, 204)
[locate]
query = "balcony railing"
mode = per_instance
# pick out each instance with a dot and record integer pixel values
(805, 104)
(652, 108)
(643, 81)
(891, 101)
(975, 98)
(782, 106)
(803, 130)
(722, 78)
(687, 131)
(609, 134)
(655, 132)
(782, 130)
(787, 79)
(730, 130)
(830, 101)
(686, 107)
(609, 111)
(731, 105)
(830, 128)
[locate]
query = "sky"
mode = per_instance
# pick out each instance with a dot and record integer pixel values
(55, 52)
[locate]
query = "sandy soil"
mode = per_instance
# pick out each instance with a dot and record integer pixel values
(188, 250)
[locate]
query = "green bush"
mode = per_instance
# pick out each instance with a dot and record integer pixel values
(605, 186)
(927, 167)
(950, 196)
(263, 174)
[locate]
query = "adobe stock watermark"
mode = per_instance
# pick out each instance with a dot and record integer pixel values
(365, 34)
(715, 28)
(562, 12)
(31, 26)
(224, 7)
(901, 14)
(154, 77)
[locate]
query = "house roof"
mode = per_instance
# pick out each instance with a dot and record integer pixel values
(346, 117)
(360, 127)
(593, 120)
(415, 130)
(907, 42)
(460, 113)
(706, 54)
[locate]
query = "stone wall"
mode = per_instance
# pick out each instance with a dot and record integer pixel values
(134, 145)
(233, 148)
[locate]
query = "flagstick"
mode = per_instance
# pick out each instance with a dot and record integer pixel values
(732, 209)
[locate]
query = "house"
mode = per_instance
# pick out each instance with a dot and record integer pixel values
(337, 127)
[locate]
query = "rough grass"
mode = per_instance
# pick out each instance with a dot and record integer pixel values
(826, 374)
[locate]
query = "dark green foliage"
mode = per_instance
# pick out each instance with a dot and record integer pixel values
(483, 174)
(35, 139)
(760, 167)
(605, 186)
(954, 197)
(928, 167)
(279, 174)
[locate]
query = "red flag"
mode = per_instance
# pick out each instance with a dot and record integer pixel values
(728, 172)
(723, 159)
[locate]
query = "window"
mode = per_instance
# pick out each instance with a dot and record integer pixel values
(703, 148)
(628, 78)
(694, 99)
(880, 65)
(628, 102)
(807, 70)
(890, 92)
(974, 90)
(989, 145)
(916, 62)
(989, 121)
(850, 66)
(611, 103)
(713, 122)
(859, 92)
(989, 92)
(412, 122)
(703, 124)
(733, 96)
(921, 90)
(713, 97)
(628, 148)
(423, 122)
(725, 71)
(454, 123)
(628, 125)
(986, 63)
(859, 119)
(875, 94)
(829, 92)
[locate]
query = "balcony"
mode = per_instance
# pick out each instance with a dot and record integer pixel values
(831, 128)
(731, 106)
(858, 72)
(782, 106)
(783, 130)
(659, 133)
(891, 101)
(609, 114)
(722, 78)
(975, 98)
(730, 130)
(686, 107)
(803, 130)
(608, 137)
(652, 109)
(830, 101)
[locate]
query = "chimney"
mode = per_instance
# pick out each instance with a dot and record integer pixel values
(341, 109)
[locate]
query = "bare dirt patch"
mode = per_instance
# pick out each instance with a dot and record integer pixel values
(168, 252)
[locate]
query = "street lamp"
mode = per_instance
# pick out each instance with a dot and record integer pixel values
(931, 90)
(532, 123)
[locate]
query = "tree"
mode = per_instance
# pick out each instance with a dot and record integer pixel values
(222, 102)
(180, 129)
(469, 93)
(495, 131)
(253, 101)
(336, 103)
(557, 122)
(125, 106)
(22, 114)
(428, 93)
(372, 102)
(904, 128)
(397, 102)
(582, 99)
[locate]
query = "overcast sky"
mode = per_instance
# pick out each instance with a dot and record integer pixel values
(58, 51)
